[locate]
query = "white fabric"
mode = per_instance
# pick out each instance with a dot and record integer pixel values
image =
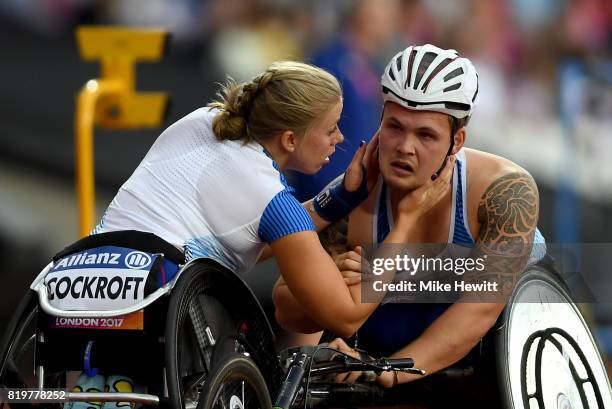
(202, 195)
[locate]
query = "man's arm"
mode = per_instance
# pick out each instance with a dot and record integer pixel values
(508, 214)
(335, 238)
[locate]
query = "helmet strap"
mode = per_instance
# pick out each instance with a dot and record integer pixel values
(450, 149)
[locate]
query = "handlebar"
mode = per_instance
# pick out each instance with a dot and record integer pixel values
(322, 360)
(346, 363)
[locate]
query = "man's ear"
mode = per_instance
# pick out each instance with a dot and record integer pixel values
(459, 139)
(288, 141)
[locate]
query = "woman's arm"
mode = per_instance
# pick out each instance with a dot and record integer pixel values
(318, 285)
(290, 314)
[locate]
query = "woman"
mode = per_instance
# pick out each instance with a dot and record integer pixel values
(212, 185)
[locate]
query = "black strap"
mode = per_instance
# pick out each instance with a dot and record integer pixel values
(132, 239)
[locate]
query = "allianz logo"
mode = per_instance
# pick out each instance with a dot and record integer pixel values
(134, 260)
(137, 259)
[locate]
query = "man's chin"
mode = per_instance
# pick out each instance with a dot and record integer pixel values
(401, 184)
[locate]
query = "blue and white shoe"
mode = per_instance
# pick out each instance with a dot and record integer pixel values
(87, 384)
(118, 383)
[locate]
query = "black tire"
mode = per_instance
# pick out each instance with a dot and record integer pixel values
(17, 369)
(517, 388)
(236, 383)
(188, 349)
(17, 363)
(25, 314)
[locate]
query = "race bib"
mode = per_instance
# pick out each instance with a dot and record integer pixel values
(99, 279)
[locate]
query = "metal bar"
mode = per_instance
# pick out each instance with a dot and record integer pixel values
(40, 375)
(40, 370)
(113, 397)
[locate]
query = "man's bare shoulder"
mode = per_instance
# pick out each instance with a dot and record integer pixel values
(485, 168)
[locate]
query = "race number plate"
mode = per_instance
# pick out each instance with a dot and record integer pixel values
(100, 279)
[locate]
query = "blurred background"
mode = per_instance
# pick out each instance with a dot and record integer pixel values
(545, 71)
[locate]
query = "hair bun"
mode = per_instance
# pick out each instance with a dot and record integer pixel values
(287, 96)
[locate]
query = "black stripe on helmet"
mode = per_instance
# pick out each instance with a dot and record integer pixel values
(410, 62)
(391, 73)
(423, 66)
(454, 73)
(435, 72)
(457, 106)
(452, 87)
(476, 92)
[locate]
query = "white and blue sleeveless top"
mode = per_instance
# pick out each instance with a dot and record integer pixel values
(394, 325)
(222, 200)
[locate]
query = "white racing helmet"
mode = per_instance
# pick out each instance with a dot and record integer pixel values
(429, 78)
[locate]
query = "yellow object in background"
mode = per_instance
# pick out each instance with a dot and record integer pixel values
(111, 100)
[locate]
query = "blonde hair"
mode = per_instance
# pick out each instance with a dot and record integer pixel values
(288, 95)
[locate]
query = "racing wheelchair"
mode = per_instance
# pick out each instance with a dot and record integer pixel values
(188, 334)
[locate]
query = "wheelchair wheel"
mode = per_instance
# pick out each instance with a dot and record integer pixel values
(18, 359)
(18, 367)
(197, 324)
(546, 355)
(236, 383)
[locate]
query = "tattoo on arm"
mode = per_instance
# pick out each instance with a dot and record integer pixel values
(334, 237)
(508, 215)
(508, 210)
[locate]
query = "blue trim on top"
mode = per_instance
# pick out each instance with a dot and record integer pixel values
(460, 233)
(208, 247)
(283, 180)
(100, 225)
(382, 222)
(284, 215)
(290, 189)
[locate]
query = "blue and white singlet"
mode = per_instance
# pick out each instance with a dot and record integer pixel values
(222, 200)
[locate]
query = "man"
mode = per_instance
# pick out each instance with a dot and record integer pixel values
(489, 204)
